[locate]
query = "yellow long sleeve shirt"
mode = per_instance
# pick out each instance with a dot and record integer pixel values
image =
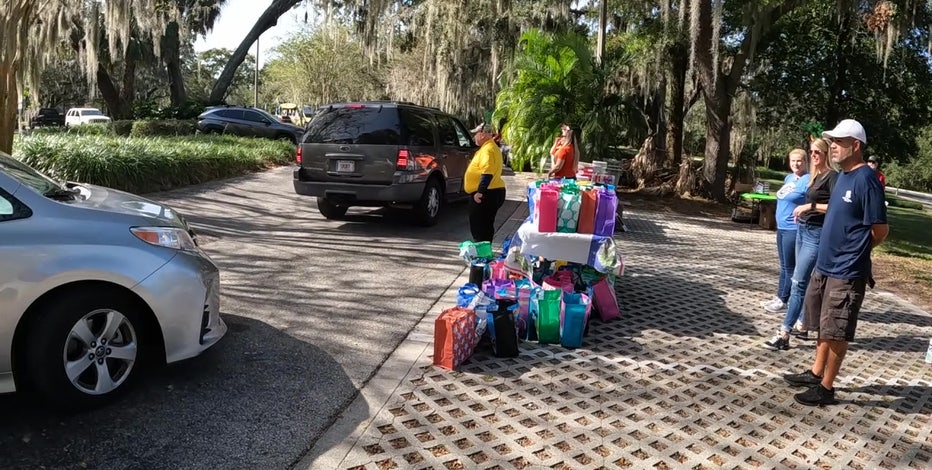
(487, 160)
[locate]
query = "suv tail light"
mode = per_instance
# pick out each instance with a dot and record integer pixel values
(298, 157)
(403, 159)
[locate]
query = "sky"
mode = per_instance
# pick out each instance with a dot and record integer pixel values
(236, 19)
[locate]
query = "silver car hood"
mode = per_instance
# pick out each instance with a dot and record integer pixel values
(112, 200)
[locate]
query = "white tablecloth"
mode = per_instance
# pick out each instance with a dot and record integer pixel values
(594, 250)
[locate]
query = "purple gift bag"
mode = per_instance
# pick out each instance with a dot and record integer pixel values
(605, 213)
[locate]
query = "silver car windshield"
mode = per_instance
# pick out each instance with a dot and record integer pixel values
(27, 175)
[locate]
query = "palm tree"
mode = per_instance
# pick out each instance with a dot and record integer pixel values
(555, 79)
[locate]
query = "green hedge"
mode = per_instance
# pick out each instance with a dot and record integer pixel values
(142, 165)
(163, 127)
(83, 129)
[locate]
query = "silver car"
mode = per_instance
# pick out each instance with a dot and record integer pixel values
(95, 285)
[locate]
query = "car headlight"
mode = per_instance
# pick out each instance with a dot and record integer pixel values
(169, 237)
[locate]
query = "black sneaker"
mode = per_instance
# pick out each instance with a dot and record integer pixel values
(800, 334)
(778, 343)
(806, 379)
(816, 396)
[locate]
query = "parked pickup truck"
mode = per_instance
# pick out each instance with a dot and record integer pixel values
(47, 117)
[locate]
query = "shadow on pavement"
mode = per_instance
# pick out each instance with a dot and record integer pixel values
(908, 399)
(258, 392)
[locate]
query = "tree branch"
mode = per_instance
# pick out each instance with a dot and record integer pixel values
(268, 19)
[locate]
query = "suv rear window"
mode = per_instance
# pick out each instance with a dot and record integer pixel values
(363, 126)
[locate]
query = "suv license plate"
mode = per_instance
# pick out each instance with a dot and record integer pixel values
(346, 166)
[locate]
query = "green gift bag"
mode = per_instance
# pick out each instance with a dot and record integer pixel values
(548, 316)
(568, 206)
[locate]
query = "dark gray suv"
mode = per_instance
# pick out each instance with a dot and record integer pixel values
(383, 153)
(247, 122)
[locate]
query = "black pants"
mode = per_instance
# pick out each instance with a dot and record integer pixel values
(482, 216)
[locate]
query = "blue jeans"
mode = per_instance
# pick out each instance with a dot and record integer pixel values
(807, 250)
(786, 251)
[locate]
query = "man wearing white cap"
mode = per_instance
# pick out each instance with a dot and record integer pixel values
(855, 223)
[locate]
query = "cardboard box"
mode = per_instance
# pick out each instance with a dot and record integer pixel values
(768, 215)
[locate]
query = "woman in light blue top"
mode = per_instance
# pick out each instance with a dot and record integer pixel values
(792, 194)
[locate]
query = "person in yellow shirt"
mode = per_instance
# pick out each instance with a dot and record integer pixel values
(484, 185)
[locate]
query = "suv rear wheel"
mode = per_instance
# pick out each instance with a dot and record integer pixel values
(329, 209)
(427, 209)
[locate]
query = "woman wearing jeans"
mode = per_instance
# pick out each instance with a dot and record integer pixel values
(809, 218)
(792, 194)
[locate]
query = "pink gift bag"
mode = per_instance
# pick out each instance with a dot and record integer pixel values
(605, 300)
(547, 219)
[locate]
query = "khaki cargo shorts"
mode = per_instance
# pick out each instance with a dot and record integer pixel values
(832, 306)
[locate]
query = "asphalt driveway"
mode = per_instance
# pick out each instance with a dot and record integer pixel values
(314, 308)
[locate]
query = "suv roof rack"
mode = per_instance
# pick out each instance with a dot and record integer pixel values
(377, 102)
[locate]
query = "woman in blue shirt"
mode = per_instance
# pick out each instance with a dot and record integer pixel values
(809, 219)
(792, 194)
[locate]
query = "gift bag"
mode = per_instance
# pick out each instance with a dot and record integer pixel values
(605, 213)
(547, 217)
(484, 250)
(562, 280)
(531, 324)
(548, 316)
(573, 322)
(568, 210)
(454, 337)
(524, 288)
(587, 211)
(505, 339)
(466, 294)
(603, 296)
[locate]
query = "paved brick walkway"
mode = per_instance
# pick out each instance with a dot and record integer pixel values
(681, 381)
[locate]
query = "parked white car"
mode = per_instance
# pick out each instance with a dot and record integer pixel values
(78, 116)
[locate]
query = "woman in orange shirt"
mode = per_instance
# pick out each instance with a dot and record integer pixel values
(564, 154)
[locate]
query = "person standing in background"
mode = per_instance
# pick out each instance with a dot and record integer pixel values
(809, 218)
(484, 185)
(874, 163)
(564, 154)
(790, 195)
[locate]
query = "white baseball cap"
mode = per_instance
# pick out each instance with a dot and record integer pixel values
(847, 128)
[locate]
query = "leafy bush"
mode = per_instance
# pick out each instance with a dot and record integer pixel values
(141, 165)
(167, 127)
(152, 110)
(122, 127)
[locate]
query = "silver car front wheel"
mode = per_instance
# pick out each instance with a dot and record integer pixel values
(100, 352)
(86, 346)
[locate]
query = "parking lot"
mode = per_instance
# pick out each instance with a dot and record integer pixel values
(314, 307)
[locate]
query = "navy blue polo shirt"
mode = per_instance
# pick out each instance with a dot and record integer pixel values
(856, 204)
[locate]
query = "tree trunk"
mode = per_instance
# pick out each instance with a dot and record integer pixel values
(268, 19)
(839, 73)
(676, 113)
(17, 18)
(171, 54)
(651, 155)
(119, 101)
(718, 89)
(9, 98)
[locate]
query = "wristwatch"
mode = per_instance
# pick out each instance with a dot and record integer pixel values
(812, 206)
